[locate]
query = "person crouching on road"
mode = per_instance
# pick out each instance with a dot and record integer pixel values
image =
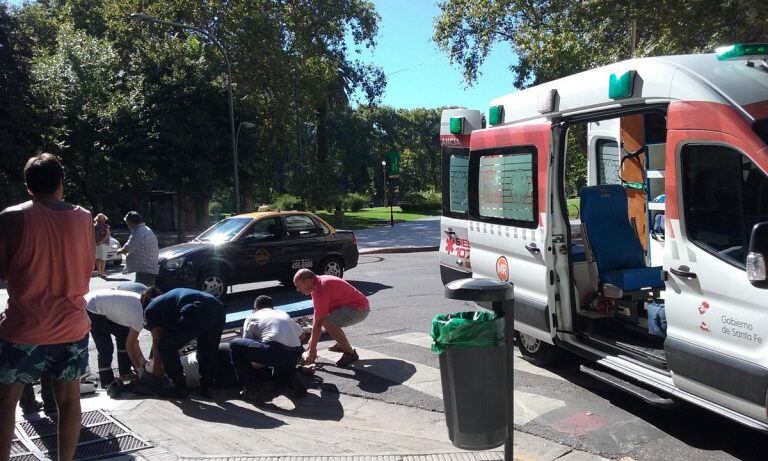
(271, 339)
(175, 319)
(116, 313)
(337, 305)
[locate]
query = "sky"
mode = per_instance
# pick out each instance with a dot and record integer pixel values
(418, 74)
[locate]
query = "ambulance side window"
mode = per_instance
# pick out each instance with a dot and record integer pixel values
(455, 170)
(503, 186)
(608, 160)
(724, 195)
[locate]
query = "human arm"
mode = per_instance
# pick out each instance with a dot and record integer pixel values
(11, 227)
(134, 350)
(314, 338)
(133, 241)
(157, 363)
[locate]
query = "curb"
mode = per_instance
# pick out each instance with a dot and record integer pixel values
(407, 249)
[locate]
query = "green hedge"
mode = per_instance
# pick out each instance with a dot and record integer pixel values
(421, 201)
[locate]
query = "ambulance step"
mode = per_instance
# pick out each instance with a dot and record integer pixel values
(648, 395)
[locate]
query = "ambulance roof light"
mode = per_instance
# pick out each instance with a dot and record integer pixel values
(742, 52)
(496, 115)
(621, 86)
(457, 125)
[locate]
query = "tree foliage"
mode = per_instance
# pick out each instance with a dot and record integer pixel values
(554, 38)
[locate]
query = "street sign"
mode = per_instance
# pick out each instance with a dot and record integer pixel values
(393, 161)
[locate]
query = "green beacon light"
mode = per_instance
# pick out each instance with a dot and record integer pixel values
(621, 86)
(742, 52)
(457, 125)
(496, 115)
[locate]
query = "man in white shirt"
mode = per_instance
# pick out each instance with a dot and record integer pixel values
(116, 313)
(271, 339)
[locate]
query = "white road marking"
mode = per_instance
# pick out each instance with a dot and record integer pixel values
(426, 379)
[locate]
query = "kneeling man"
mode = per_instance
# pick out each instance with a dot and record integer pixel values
(270, 339)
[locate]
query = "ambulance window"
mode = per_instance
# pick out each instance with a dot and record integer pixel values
(724, 195)
(607, 161)
(506, 187)
(455, 171)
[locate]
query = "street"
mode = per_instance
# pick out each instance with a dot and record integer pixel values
(560, 403)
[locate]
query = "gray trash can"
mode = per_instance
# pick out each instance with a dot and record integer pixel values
(473, 365)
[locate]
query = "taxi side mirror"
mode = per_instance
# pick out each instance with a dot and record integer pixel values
(756, 258)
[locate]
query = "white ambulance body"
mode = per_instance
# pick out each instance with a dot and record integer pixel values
(456, 126)
(673, 218)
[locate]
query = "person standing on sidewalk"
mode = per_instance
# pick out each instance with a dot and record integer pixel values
(176, 318)
(271, 339)
(47, 251)
(116, 313)
(141, 250)
(101, 229)
(337, 305)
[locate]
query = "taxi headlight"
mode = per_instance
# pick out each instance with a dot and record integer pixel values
(174, 263)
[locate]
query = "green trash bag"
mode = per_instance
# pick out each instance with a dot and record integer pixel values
(467, 329)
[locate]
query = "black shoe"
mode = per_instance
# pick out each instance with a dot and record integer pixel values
(51, 411)
(176, 390)
(114, 389)
(206, 392)
(30, 406)
(298, 386)
(251, 395)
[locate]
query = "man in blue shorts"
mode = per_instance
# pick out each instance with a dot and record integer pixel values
(47, 249)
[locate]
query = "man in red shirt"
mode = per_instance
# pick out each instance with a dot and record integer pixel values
(337, 304)
(47, 251)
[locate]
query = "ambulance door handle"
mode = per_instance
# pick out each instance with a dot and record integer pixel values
(532, 248)
(683, 271)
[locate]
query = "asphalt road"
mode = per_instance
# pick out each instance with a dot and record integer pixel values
(558, 403)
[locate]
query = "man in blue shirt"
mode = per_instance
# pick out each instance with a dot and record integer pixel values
(176, 318)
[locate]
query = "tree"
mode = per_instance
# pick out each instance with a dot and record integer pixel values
(556, 38)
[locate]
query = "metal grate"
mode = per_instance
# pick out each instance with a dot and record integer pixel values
(100, 436)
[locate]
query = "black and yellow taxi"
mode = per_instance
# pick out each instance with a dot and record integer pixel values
(256, 247)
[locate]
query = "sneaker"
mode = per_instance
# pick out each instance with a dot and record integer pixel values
(114, 389)
(347, 359)
(87, 387)
(336, 348)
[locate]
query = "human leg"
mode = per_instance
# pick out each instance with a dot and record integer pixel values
(9, 397)
(337, 334)
(100, 332)
(243, 352)
(146, 278)
(28, 402)
(120, 333)
(67, 363)
(68, 402)
(101, 267)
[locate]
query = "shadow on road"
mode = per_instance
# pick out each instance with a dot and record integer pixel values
(225, 412)
(375, 375)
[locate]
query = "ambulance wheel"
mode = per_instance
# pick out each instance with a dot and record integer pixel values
(215, 282)
(332, 266)
(535, 350)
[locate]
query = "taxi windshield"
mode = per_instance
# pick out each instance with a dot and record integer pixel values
(224, 230)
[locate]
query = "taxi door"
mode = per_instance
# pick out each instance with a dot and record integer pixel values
(260, 251)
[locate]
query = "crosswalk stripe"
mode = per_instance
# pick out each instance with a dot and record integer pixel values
(424, 340)
(426, 379)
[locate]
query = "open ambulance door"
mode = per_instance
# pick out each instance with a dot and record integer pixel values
(716, 191)
(507, 220)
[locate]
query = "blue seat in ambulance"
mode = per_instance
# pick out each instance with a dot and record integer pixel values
(613, 243)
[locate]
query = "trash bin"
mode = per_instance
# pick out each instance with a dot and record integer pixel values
(473, 375)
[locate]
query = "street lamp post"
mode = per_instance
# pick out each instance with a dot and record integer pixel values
(209, 36)
(237, 136)
(386, 184)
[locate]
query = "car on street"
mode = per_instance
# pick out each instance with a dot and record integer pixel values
(112, 256)
(256, 247)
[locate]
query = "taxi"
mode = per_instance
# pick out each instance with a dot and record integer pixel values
(256, 247)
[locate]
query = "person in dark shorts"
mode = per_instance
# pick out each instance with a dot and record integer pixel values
(47, 249)
(175, 319)
(271, 340)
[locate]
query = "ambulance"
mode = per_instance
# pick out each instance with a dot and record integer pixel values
(456, 126)
(653, 269)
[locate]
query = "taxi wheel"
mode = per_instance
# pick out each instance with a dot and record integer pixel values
(332, 266)
(214, 282)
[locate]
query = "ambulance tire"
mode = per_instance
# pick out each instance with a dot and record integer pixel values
(535, 350)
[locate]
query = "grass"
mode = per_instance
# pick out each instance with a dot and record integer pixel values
(573, 207)
(368, 217)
